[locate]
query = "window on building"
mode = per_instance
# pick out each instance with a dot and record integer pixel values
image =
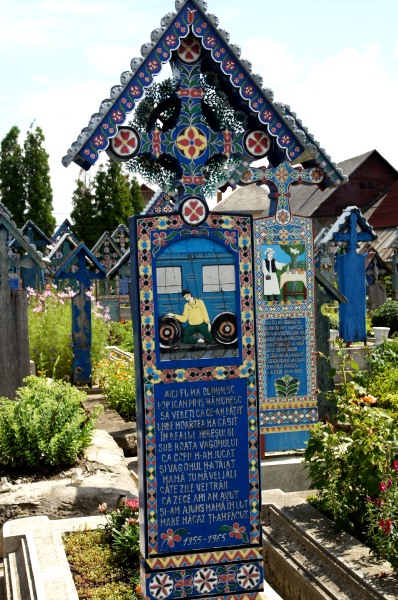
(218, 278)
(169, 280)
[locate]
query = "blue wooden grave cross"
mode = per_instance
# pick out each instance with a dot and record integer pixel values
(350, 228)
(77, 267)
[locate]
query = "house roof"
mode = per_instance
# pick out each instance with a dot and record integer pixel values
(293, 139)
(252, 198)
(385, 211)
(383, 245)
(305, 200)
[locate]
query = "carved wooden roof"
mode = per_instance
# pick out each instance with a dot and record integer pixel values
(191, 17)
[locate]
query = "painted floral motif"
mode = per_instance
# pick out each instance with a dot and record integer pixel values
(192, 142)
(229, 65)
(248, 576)
(316, 175)
(125, 143)
(159, 238)
(170, 537)
(161, 586)
(285, 140)
(236, 531)
(117, 116)
(189, 50)
(257, 143)
(210, 41)
(205, 580)
(171, 40)
(99, 140)
(135, 90)
(283, 217)
(183, 584)
(153, 65)
(193, 211)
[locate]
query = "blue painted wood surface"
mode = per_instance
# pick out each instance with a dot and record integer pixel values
(81, 309)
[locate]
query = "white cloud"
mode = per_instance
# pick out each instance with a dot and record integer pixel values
(344, 101)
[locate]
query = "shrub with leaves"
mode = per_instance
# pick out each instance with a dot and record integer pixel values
(50, 331)
(386, 316)
(349, 460)
(45, 426)
(117, 380)
(382, 516)
(381, 379)
(121, 335)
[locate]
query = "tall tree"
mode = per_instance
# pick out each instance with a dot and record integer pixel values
(83, 212)
(113, 197)
(39, 195)
(137, 199)
(105, 203)
(12, 191)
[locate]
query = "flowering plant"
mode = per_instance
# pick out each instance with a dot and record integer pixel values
(122, 531)
(117, 380)
(50, 330)
(382, 517)
(352, 460)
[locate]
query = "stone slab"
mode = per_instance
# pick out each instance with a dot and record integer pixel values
(284, 471)
(64, 497)
(52, 567)
(342, 547)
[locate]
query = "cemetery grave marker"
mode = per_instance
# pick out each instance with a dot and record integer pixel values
(64, 228)
(349, 229)
(14, 347)
(32, 275)
(77, 267)
(194, 281)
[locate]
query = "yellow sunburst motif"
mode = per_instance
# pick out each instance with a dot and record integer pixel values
(192, 142)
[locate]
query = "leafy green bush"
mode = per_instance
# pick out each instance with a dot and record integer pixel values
(384, 385)
(381, 379)
(117, 380)
(50, 331)
(332, 312)
(121, 335)
(352, 462)
(386, 316)
(45, 426)
(383, 355)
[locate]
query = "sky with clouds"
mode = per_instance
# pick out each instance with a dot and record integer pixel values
(335, 64)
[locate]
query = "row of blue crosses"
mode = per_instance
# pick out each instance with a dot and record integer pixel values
(192, 142)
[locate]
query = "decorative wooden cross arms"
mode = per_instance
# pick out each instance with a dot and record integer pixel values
(187, 142)
(279, 179)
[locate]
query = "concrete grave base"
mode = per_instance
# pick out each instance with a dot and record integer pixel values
(35, 563)
(305, 559)
(284, 471)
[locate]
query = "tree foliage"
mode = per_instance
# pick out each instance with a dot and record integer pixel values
(83, 212)
(25, 186)
(106, 202)
(12, 190)
(39, 195)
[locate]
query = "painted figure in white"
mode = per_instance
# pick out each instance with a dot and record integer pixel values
(270, 267)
